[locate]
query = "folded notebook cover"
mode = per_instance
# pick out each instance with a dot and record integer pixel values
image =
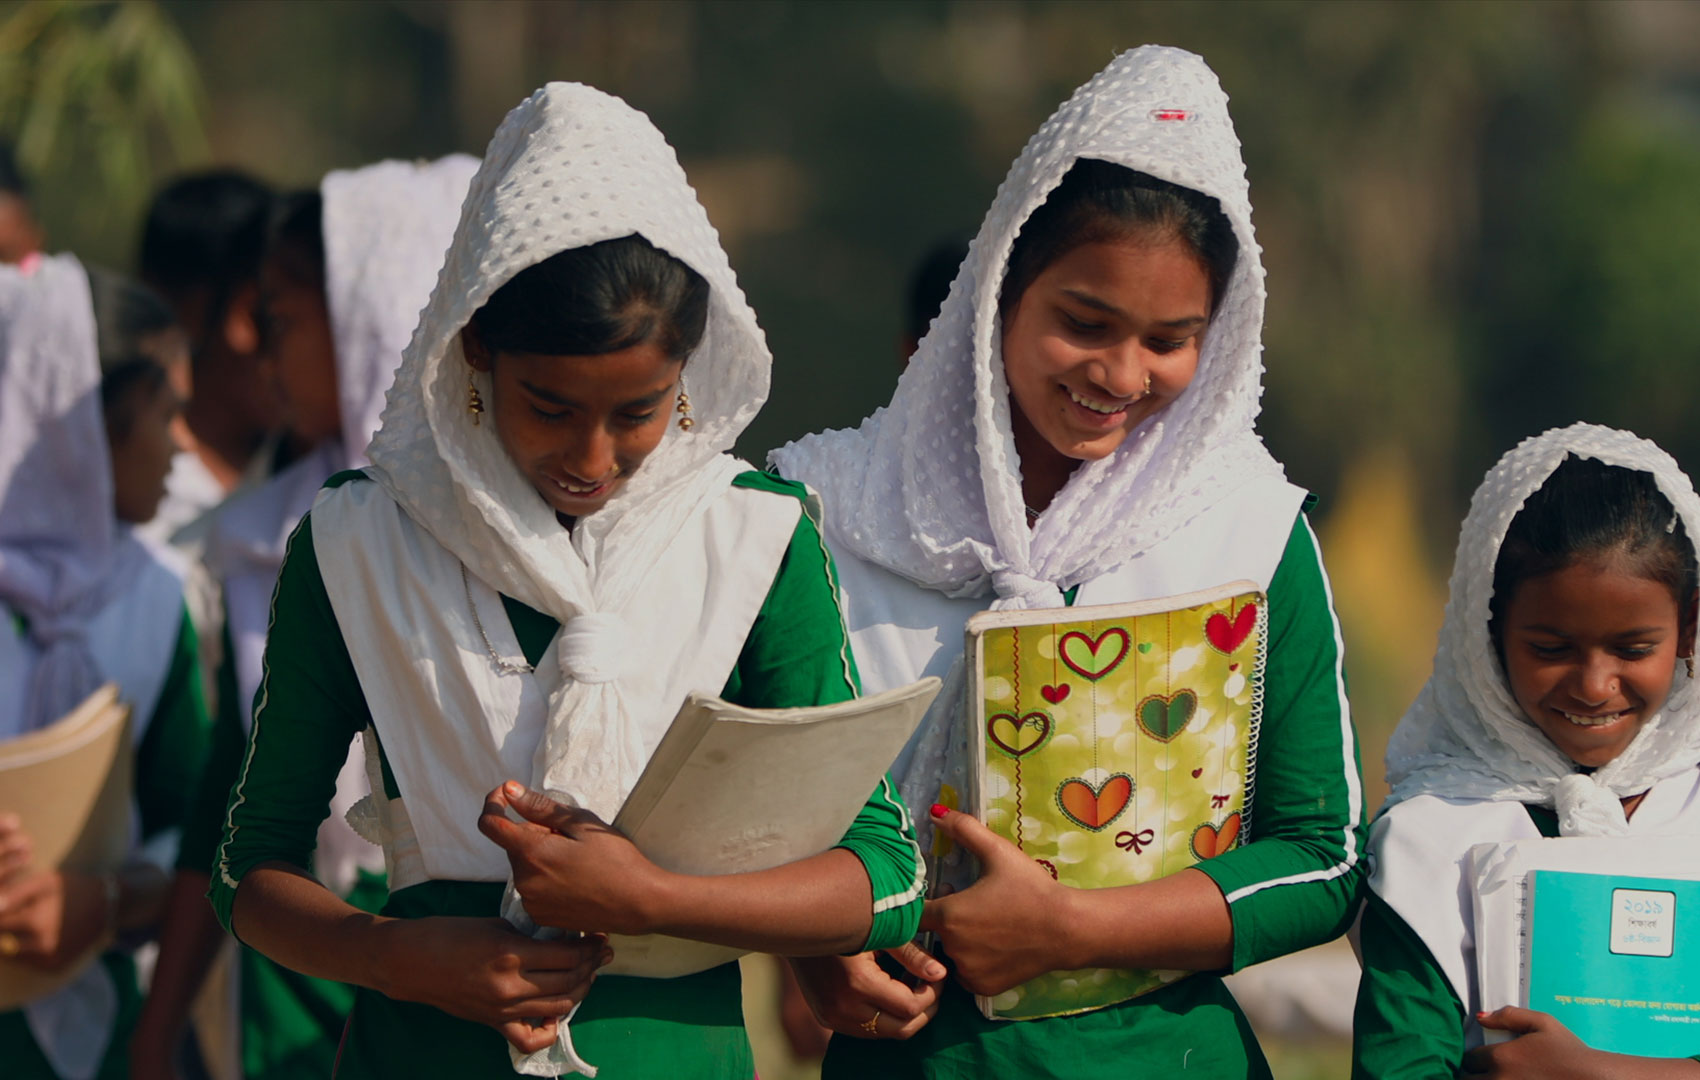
(1616, 959)
(1116, 745)
(731, 789)
(70, 782)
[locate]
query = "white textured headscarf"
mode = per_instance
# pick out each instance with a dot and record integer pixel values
(570, 166)
(1465, 737)
(929, 487)
(60, 544)
(386, 228)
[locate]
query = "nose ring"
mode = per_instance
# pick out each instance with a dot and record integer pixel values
(1146, 391)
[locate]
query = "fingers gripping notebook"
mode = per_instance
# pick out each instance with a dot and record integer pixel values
(1115, 745)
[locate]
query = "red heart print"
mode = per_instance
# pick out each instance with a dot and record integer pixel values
(1225, 636)
(1209, 841)
(1094, 809)
(1196, 773)
(1094, 659)
(1018, 737)
(1054, 694)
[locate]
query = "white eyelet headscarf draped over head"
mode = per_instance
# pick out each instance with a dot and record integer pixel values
(570, 166)
(60, 545)
(1465, 737)
(930, 486)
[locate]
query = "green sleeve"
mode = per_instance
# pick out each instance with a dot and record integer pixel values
(1295, 884)
(1409, 1023)
(203, 825)
(175, 744)
(798, 653)
(308, 709)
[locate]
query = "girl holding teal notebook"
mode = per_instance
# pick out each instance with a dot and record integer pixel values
(1563, 703)
(1077, 427)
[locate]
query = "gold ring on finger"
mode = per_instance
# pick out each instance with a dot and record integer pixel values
(11, 946)
(872, 1024)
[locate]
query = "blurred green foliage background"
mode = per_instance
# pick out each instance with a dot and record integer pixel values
(1480, 220)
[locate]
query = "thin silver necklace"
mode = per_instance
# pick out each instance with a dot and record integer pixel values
(506, 667)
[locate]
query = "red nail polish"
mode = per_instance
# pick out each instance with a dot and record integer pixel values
(940, 810)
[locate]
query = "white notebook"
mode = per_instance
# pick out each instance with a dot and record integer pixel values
(731, 790)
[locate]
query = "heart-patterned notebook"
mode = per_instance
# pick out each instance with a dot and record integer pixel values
(1117, 745)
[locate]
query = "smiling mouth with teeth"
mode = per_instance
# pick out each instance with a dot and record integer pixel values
(1097, 407)
(575, 489)
(1592, 721)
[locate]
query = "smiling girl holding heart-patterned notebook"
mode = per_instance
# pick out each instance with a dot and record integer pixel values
(1076, 432)
(1115, 745)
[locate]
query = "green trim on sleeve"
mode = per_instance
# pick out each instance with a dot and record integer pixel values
(1409, 1022)
(1295, 884)
(174, 747)
(798, 653)
(338, 479)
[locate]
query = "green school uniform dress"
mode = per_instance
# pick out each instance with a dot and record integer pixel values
(687, 1028)
(1409, 1020)
(168, 759)
(1295, 884)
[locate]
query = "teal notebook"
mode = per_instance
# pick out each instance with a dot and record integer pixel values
(1616, 959)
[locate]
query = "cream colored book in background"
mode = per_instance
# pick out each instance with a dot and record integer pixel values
(731, 790)
(70, 783)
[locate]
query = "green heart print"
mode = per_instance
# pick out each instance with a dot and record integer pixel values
(1165, 717)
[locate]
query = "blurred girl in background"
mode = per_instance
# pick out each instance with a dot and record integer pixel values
(85, 445)
(347, 271)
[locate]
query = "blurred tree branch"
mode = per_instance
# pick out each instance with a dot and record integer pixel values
(98, 87)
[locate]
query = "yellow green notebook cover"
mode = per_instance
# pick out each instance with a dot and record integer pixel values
(1116, 745)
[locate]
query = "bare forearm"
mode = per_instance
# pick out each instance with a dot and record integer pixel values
(188, 941)
(142, 891)
(1626, 1067)
(285, 913)
(1180, 922)
(816, 906)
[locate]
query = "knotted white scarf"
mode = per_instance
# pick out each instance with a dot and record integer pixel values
(1465, 737)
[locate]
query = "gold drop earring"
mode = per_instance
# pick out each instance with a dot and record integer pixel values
(685, 421)
(474, 403)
